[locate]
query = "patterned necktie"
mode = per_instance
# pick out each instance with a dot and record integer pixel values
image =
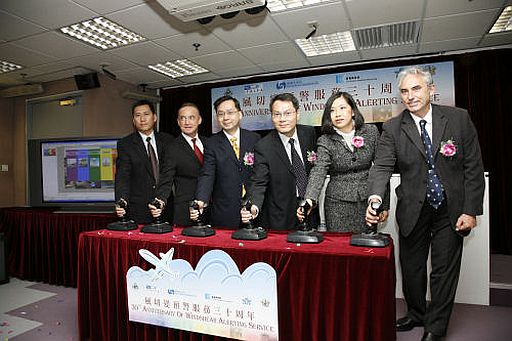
(153, 159)
(299, 170)
(434, 187)
(197, 151)
(234, 144)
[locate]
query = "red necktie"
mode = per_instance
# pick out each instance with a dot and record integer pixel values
(197, 151)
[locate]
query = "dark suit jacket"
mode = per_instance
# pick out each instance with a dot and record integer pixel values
(134, 178)
(461, 175)
(185, 169)
(222, 177)
(273, 187)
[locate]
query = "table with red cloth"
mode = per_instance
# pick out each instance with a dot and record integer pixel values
(41, 245)
(327, 291)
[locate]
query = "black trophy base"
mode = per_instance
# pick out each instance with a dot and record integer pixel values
(158, 228)
(122, 226)
(305, 237)
(257, 233)
(369, 240)
(198, 231)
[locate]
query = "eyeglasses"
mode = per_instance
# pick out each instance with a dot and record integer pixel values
(287, 114)
(229, 113)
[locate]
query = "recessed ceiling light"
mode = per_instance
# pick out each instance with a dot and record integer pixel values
(504, 22)
(178, 68)
(327, 44)
(102, 33)
(8, 67)
(283, 5)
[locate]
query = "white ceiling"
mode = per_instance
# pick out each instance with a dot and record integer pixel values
(242, 46)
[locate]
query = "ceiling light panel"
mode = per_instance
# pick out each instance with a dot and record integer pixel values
(327, 44)
(8, 67)
(504, 22)
(178, 68)
(283, 5)
(102, 33)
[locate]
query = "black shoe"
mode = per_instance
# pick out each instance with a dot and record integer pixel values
(428, 336)
(406, 323)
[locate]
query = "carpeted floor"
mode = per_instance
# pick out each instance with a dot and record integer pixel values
(37, 311)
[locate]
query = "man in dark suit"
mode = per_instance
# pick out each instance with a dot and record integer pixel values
(186, 161)
(277, 180)
(225, 174)
(139, 181)
(441, 192)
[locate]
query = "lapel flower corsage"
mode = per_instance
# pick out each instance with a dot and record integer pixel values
(311, 155)
(358, 141)
(249, 159)
(448, 148)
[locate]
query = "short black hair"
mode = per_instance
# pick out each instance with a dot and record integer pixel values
(327, 126)
(224, 99)
(285, 97)
(144, 102)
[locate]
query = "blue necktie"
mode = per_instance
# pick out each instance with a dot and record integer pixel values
(434, 187)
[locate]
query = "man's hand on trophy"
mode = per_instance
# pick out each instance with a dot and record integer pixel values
(120, 207)
(248, 215)
(300, 210)
(196, 209)
(156, 207)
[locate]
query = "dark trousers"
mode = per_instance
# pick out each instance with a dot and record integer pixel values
(432, 231)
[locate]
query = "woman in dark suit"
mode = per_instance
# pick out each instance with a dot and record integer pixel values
(345, 151)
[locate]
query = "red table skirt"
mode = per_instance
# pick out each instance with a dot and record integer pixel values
(42, 245)
(327, 291)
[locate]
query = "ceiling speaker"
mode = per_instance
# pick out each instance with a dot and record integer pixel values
(87, 81)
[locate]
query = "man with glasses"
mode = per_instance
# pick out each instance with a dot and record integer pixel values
(224, 176)
(281, 167)
(186, 161)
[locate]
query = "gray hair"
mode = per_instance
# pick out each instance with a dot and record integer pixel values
(415, 70)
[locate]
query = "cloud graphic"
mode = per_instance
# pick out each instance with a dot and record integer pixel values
(215, 271)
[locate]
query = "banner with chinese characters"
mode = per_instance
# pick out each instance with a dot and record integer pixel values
(214, 298)
(375, 91)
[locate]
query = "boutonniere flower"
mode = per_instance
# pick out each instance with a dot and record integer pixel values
(311, 154)
(249, 159)
(448, 148)
(358, 141)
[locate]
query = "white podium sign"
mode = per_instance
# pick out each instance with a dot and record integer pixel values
(212, 299)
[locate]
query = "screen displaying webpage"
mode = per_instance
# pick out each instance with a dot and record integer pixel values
(78, 171)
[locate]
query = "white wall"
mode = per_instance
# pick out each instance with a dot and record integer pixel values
(475, 273)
